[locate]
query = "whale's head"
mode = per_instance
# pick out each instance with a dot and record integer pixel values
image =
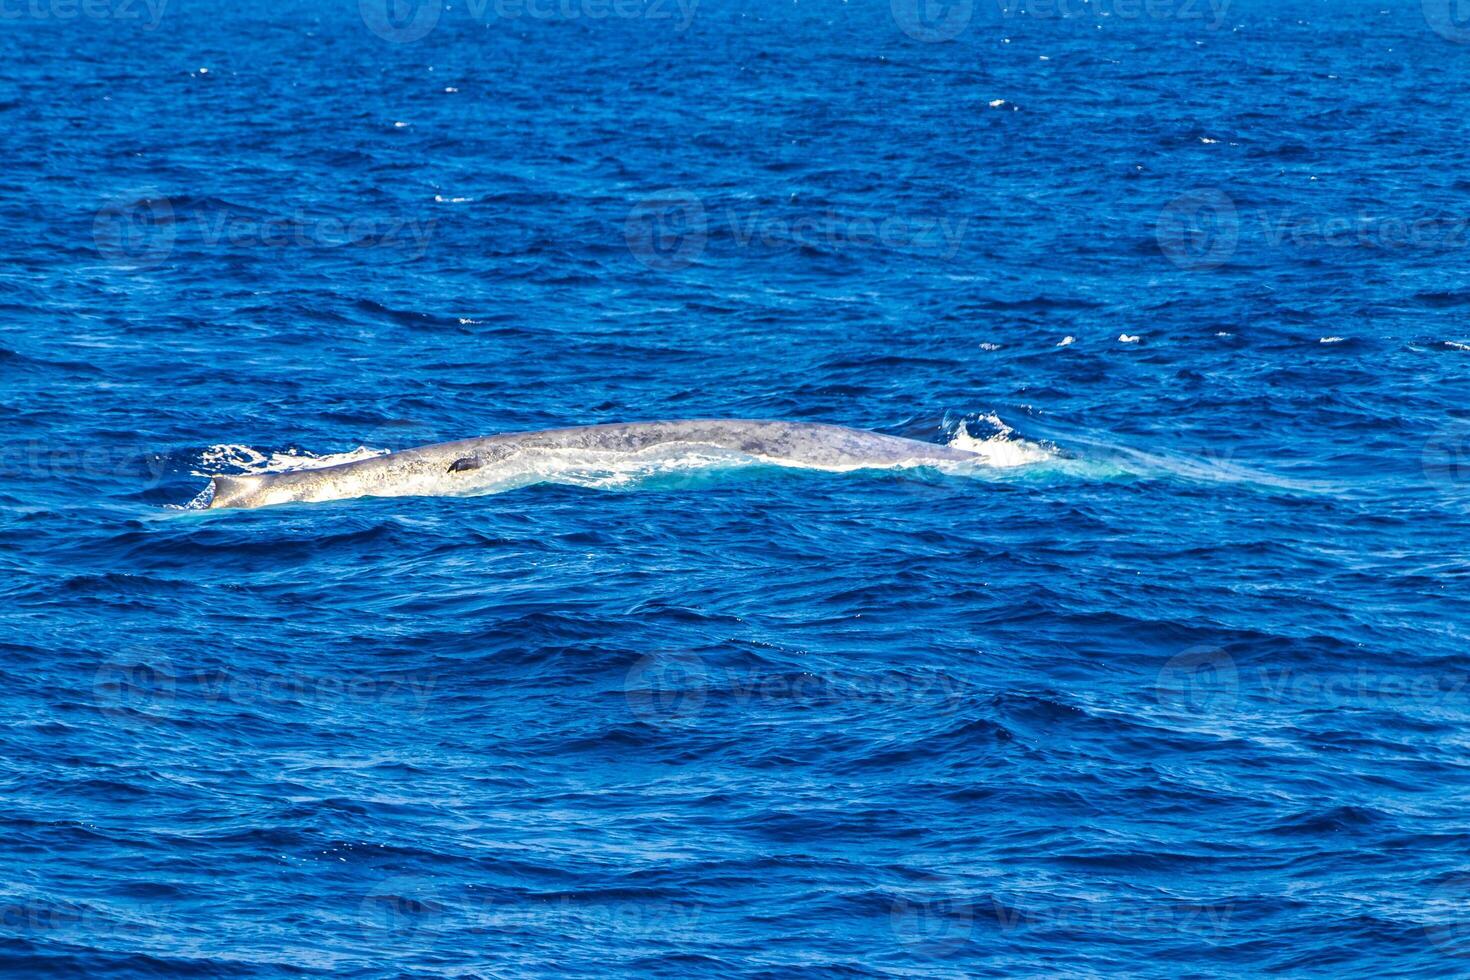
(384, 476)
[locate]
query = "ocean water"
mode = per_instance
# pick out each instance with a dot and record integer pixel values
(1176, 685)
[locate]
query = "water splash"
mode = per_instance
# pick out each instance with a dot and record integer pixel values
(237, 460)
(1000, 447)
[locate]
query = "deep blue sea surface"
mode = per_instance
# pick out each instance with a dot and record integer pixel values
(1177, 686)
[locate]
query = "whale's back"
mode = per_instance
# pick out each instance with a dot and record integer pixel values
(526, 457)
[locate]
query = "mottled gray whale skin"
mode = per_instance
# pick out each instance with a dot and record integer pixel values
(459, 467)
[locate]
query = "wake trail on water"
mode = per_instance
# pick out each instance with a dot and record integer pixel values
(1099, 455)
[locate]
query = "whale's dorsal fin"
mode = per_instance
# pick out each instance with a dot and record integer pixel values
(466, 463)
(229, 491)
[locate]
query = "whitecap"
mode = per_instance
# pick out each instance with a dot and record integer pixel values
(1003, 449)
(235, 460)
